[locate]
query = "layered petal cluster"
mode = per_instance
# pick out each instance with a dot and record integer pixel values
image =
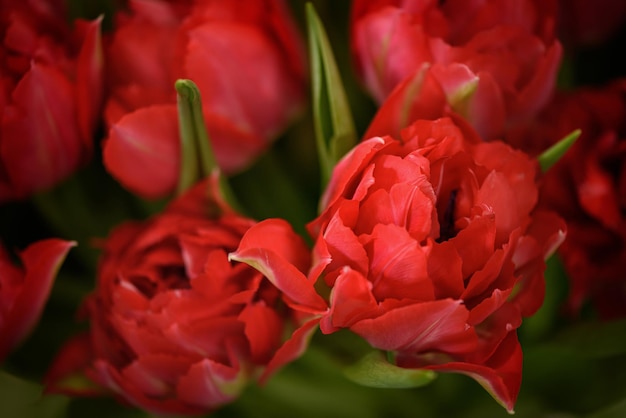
(433, 250)
(247, 59)
(50, 95)
(506, 49)
(25, 287)
(588, 188)
(176, 328)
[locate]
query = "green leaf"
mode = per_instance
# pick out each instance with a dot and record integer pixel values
(197, 158)
(553, 154)
(617, 410)
(595, 339)
(334, 126)
(374, 370)
(21, 398)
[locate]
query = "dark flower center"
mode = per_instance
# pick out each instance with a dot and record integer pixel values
(170, 277)
(446, 224)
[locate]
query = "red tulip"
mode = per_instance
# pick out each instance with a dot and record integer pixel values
(588, 188)
(51, 80)
(24, 289)
(433, 251)
(247, 60)
(508, 47)
(175, 327)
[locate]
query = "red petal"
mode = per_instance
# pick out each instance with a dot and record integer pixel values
(542, 238)
(142, 51)
(351, 165)
(41, 118)
(228, 61)
(496, 273)
(41, 262)
(343, 245)
(439, 325)
(458, 82)
(445, 270)
(536, 93)
(209, 384)
(234, 147)
(351, 300)
(597, 189)
(278, 236)
(419, 96)
(264, 329)
(143, 151)
(510, 190)
(291, 349)
(257, 249)
(486, 108)
(390, 46)
(501, 376)
(475, 243)
(398, 265)
(155, 374)
(108, 376)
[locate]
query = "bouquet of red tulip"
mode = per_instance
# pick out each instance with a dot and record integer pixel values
(203, 214)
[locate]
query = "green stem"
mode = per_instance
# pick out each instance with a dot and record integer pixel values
(197, 158)
(189, 171)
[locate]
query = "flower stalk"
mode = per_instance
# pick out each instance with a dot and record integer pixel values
(197, 157)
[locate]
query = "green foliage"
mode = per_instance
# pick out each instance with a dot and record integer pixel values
(197, 159)
(553, 154)
(375, 371)
(334, 126)
(22, 399)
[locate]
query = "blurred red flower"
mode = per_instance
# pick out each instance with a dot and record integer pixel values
(588, 188)
(508, 48)
(247, 60)
(175, 327)
(51, 94)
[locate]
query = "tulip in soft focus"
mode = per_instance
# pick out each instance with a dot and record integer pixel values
(588, 188)
(25, 287)
(426, 94)
(433, 251)
(247, 59)
(51, 89)
(175, 327)
(508, 47)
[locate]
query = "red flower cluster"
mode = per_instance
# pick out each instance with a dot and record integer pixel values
(434, 251)
(51, 91)
(432, 233)
(175, 327)
(506, 50)
(247, 60)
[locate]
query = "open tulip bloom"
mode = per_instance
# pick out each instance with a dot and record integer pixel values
(445, 235)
